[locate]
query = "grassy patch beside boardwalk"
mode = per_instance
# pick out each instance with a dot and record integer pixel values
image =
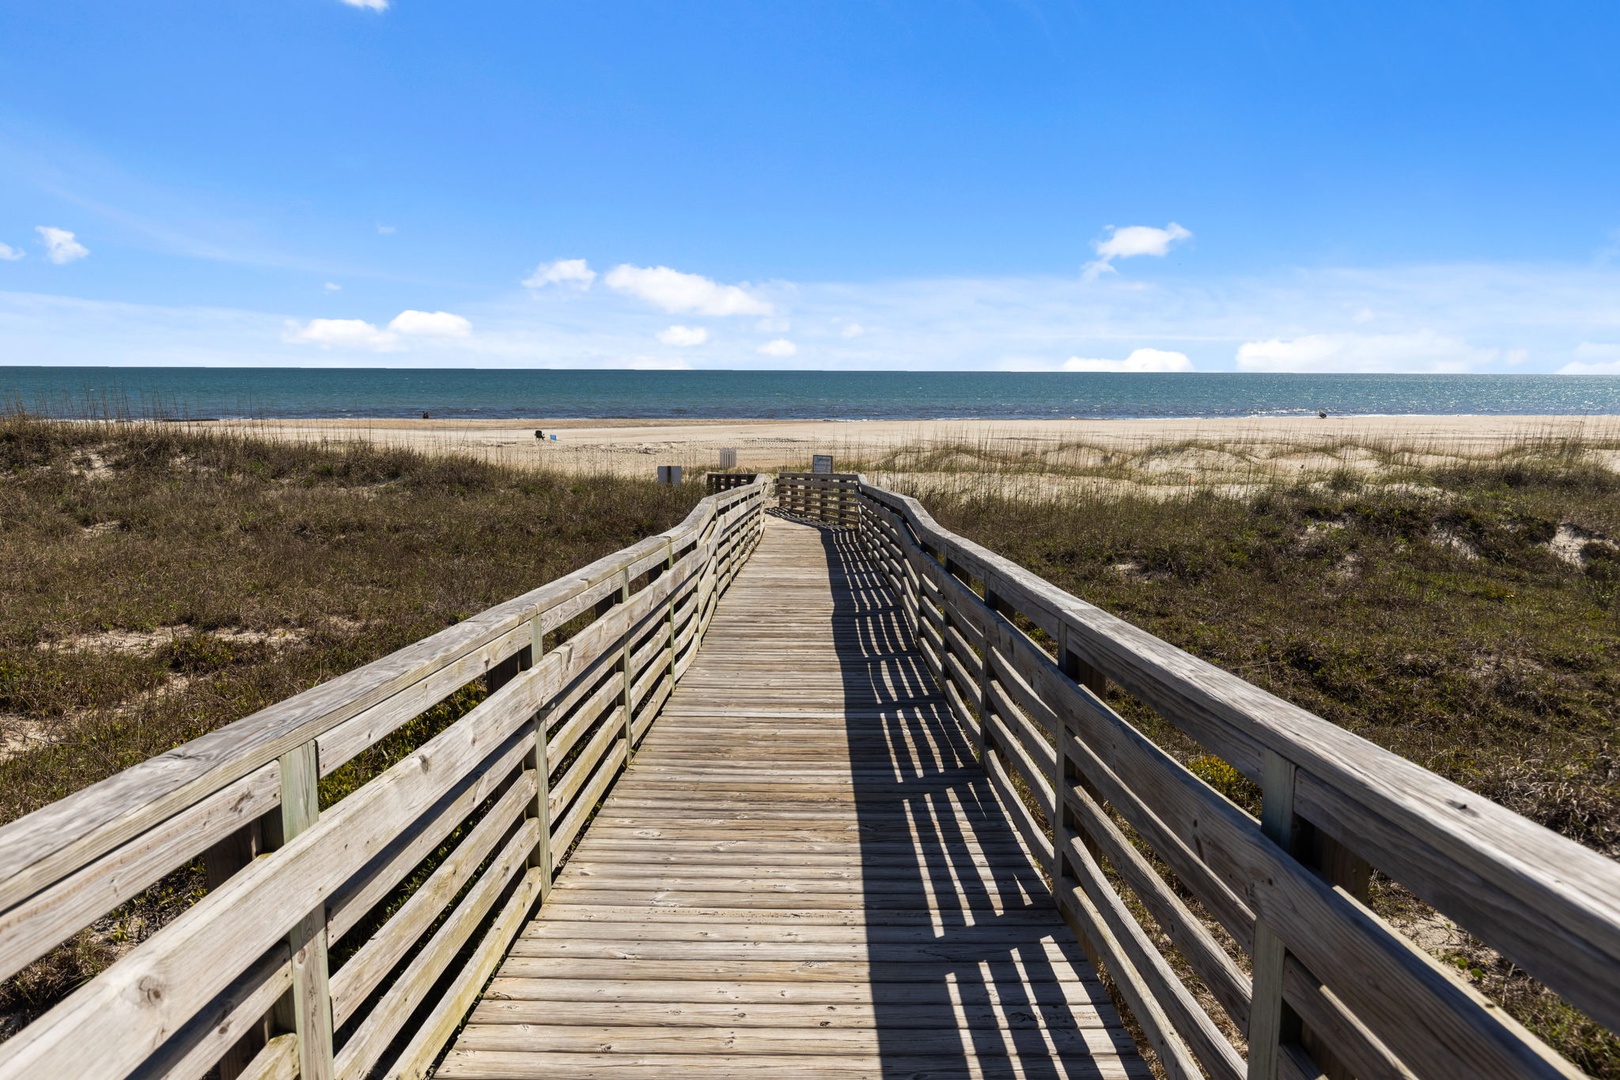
(1473, 628)
(1467, 618)
(161, 583)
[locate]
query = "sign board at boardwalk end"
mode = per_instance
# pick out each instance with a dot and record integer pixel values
(821, 463)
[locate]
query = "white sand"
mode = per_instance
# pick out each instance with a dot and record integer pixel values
(637, 447)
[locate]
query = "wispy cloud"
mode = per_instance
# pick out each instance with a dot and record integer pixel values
(655, 363)
(331, 287)
(369, 5)
(1610, 251)
(781, 349)
(9, 253)
(1594, 358)
(574, 272)
(684, 336)
(1141, 360)
(60, 245)
(358, 334)
(680, 293)
(342, 334)
(1426, 318)
(1423, 351)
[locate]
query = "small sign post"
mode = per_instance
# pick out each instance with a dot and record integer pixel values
(821, 463)
(670, 475)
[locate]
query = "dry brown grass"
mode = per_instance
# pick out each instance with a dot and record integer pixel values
(1464, 614)
(162, 583)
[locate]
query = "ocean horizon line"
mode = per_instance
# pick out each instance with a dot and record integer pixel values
(786, 395)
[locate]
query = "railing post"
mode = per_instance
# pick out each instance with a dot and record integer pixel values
(1066, 773)
(220, 862)
(540, 857)
(629, 695)
(669, 614)
(987, 673)
(1063, 829)
(307, 1010)
(1271, 1022)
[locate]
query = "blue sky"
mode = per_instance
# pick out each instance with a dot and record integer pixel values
(887, 184)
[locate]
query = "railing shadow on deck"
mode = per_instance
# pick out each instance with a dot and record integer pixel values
(1199, 910)
(956, 949)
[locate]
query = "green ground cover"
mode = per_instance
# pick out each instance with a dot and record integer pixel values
(1466, 618)
(161, 583)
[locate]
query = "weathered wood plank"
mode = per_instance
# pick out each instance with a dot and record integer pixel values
(805, 828)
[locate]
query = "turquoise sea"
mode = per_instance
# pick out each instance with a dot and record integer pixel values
(566, 394)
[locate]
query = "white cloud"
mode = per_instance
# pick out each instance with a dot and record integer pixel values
(9, 253)
(1593, 358)
(430, 324)
(341, 334)
(331, 287)
(1133, 240)
(1421, 351)
(781, 347)
(370, 5)
(60, 246)
(1473, 315)
(1139, 360)
(853, 330)
(575, 272)
(677, 292)
(1129, 241)
(359, 334)
(684, 336)
(382, 230)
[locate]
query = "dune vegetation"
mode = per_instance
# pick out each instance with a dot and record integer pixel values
(1460, 609)
(163, 582)
(1463, 612)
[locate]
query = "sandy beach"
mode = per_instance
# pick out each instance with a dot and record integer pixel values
(1204, 446)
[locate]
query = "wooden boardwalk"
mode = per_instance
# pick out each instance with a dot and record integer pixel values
(803, 873)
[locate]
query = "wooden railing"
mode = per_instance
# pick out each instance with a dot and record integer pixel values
(413, 885)
(1316, 983)
(833, 498)
(727, 481)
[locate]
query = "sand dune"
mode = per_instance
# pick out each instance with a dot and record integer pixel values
(1211, 447)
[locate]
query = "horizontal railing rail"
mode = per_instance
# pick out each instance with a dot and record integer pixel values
(833, 498)
(726, 481)
(1313, 980)
(350, 940)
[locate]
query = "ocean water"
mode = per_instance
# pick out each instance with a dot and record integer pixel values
(565, 394)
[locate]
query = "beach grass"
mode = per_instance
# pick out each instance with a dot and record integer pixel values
(1457, 604)
(1460, 610)
(164, 581)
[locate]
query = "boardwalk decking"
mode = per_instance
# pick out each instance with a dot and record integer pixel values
(803, 873)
